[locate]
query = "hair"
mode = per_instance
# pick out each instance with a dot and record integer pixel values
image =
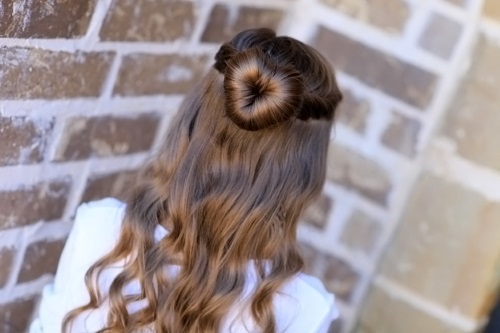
(242, 159)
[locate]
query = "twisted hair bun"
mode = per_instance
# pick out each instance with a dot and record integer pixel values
(259, 92)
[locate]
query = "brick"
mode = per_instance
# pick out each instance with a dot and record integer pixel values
(42, 19)
(106, 136)
(110, 185)
(27, 205)
(310, 256)
(15, 316)
(440, 36)
(491, 9)
(401, 135)
(225, 21)
(40, 258)
(28, 73)
(6, 261)
(379, 70)
(317, 214)
(458, 2)
(472, 119)
(340, 278)
(336, 326)
(142, 74)
(151, 21)
(361, 232)
(375, 12)
(446, 248)
(358, 173)
(23, 140)
(353, 111)
(383, 312)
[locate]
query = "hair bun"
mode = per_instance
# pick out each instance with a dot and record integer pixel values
(259, 93)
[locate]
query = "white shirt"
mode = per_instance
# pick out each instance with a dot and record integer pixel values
(302, 305)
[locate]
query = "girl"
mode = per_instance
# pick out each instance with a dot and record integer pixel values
(207, 242)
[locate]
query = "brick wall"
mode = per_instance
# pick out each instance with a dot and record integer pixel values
(406, 232)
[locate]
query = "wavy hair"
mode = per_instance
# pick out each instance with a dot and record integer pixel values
(242, 159)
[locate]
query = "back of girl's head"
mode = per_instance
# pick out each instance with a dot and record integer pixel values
(242, 159)
(258, 125)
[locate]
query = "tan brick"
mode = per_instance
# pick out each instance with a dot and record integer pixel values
(111, 185)
(43, 19)
(106, 136)
(142, 74)
(40, 258)
(15, 316)
(382, 312)
(223, 25)
(317, 213)
(23, 140)
(389, 15)
(27, 205)
(491, 9)
(384, 72)
(353, 111)
(361, 232)
(358, 173)
(6, 260)
(152, 21)
(446, 247)
(472, 119)
(29, 73)
(402, 134)
(440, 36)
(340, 278)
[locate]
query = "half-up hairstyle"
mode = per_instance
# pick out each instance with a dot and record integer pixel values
(242, 159)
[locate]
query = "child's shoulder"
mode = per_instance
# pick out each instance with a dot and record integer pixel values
(99, 222)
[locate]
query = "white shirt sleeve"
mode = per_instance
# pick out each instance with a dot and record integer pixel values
(305, 306)
(83, 248)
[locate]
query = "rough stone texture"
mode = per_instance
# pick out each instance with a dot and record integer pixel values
(152, 21)
(358, 173)
(353, 111)
(446, 247)
(472, 119)
(361, 232)
(402, 134)
(143, 74)
(15, 316)
(491, 9)
(23, 140)
(340, 278)
(40, 258)
(6, 261)
(227, 20)
(375, 12)
(441, 36)
(28, 73)
(395, 77)
(317, 213)
(45, 19)
(106, 136)
(382, 312)
(27, 205)
(111, 185)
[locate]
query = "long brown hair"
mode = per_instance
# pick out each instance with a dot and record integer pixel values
(242, 159)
